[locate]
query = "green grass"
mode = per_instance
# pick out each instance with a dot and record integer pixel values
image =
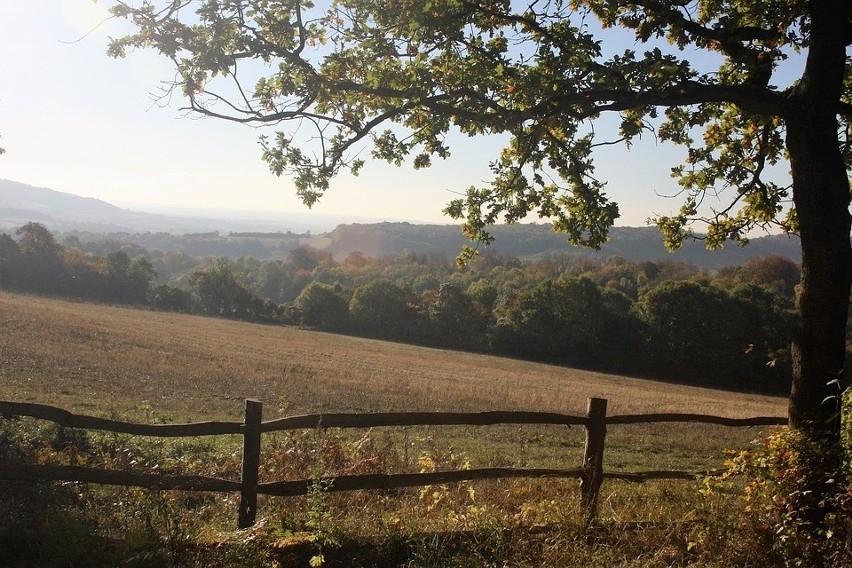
(155, 367)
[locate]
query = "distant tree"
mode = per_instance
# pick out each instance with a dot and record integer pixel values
(381, 309)
(409, 270)
(82, 276)
(322, 307)
(702, 333)
(128, 281)
(424, 282)
(294, 283)
(777, 273)
(766, 320)
(171, 299)
(618, 273)
(9, 261)
(271, 279)
(35, 238)
(141, 276)
(171, 265)
(454, 318)
(41, 258)
(683, 320)
(307, 258)
(624, 333)
(561, 320)
(649, 271)
(483, 294)
(72, 241)
(217, 290)
(262, 310)
(116, 265)
(356, 259)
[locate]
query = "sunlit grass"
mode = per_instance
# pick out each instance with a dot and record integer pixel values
(85, 356)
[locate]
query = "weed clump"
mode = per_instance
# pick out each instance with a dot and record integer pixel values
(790, 504)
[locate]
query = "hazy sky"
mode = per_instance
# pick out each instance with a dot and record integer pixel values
(73, 119)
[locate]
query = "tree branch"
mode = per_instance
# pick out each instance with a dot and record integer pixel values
(730, 39)
(756, 101)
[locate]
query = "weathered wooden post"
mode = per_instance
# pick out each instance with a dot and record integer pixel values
(251, 463)
(592, 478)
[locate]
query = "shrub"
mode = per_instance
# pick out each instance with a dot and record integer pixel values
(797, 499)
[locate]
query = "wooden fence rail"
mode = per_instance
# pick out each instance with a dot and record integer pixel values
(590, 473)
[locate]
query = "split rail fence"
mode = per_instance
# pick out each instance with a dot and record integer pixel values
(590, 473)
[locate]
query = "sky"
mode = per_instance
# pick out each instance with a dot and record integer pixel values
(75, 120)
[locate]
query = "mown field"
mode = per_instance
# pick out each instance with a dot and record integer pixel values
(149, 366)
(84, 356)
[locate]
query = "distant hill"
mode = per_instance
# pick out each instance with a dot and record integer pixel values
(539, 241)
(65, 212)
(21, 203)
(21, 198)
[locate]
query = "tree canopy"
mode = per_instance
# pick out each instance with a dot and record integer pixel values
(402, 76)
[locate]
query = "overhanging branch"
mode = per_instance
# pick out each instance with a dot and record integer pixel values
(756, 101)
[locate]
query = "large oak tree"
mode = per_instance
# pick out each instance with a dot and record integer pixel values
(399, 76)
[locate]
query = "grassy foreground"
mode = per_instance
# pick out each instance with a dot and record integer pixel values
(148, 366)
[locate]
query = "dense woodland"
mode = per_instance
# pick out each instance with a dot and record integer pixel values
(728, 328)
(523, 240)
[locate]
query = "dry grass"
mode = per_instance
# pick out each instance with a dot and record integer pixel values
(85, 357)
(144, 365)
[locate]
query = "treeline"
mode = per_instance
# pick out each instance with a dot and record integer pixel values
(233, 245)
(527, 241)
(35, 262)
(728, 328)
(537, 240)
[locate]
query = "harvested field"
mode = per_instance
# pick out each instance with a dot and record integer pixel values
(91, 357)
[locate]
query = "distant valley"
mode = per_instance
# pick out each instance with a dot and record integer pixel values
(62, 212)
(533, 241)
(270, 235)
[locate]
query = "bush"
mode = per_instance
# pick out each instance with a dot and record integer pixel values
(42, 524)
(797, 499)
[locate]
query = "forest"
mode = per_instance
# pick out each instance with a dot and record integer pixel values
(729, 328)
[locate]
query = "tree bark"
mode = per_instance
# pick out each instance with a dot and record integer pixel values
(821, 197)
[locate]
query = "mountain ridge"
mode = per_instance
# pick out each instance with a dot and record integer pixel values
(62, 211)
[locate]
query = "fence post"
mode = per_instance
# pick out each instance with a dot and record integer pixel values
(590, 482)
(251, 463)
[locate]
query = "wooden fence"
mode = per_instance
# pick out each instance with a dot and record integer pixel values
(590, 473)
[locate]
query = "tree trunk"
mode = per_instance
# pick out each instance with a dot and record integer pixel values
(821, 197)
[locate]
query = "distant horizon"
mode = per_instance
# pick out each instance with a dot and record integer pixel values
(199, 210)
(315, 221)
(328, 221)
(324, 221)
